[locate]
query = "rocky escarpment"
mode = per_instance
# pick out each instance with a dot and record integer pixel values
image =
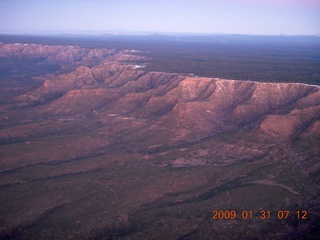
(197, 107)
(173, 107)
(54, 54)
(146, 144)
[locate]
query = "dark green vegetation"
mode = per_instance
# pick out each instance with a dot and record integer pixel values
(17, 76)
(256, 58)
(112, 152)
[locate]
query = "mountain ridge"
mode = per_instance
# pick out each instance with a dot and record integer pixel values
(219, 105)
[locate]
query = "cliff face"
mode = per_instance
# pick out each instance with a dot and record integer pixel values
(106, 113)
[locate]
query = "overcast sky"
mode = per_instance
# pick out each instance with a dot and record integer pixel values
(294, 17)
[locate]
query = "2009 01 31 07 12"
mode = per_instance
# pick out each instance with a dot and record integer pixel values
(262, 214)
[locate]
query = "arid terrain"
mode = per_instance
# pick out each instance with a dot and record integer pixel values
(93, 146)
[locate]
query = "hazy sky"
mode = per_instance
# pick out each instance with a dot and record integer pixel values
(183, 16)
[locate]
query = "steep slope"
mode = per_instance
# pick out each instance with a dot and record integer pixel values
(106, 150)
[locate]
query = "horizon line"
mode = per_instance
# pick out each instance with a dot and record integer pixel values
(148, 33)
